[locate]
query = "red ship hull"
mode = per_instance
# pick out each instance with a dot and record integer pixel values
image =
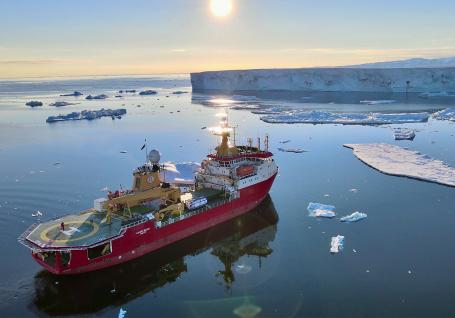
(144, 238)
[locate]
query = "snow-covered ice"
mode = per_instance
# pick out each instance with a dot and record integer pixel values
(321, 117)
(446, 114)
(354, 217)
(404, 134)
(336, 244)
(321, 210)
(398, 161)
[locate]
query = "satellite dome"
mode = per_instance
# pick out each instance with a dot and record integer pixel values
(154, 156)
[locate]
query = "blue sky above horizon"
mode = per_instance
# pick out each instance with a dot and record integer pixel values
(108, 37)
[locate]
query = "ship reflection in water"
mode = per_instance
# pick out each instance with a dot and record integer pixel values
(249, 234)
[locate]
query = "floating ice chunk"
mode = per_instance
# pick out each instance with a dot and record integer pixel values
(121, 313)
(270, 111)
(295, 150)
(34, 103)
(378, 102)
(320, 117)
(354, 217)
(354, 190)
(321, 210)
(446, 114)
(37, 213)
(245, 107)
(336, 245)
(397, 161)
(123, 151)
(404, 134)
(285, 141)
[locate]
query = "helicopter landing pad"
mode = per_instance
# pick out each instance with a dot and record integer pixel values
(83, 229)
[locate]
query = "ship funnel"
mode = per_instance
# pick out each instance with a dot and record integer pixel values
(154, 156)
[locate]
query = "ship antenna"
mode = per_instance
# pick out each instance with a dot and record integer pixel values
(146, 151)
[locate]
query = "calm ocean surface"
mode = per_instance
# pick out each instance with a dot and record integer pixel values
(274, 261)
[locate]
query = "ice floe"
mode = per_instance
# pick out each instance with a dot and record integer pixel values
(354, 217)
(336, 244)
(294, 150)
(102, 96)
(88, 115)
(446, 114)
(37, 213)
(321, 117)
(404, 134)
(398, 161)
(75, 93)
(321, 210)
(148, 92)
(61, 104)
(378, 102)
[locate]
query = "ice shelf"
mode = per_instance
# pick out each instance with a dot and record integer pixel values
(338, 79)
(398, 161)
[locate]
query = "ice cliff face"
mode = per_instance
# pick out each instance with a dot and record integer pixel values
(329, 80)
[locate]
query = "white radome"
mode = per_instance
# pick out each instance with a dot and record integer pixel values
(154, 156)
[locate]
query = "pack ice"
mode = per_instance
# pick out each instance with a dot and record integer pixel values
(398, 161)
(321, 117)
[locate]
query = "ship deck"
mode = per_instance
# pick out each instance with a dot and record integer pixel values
(81, 230)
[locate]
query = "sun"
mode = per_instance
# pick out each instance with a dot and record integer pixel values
(221, 8)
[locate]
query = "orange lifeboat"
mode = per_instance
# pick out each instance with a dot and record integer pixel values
(245, 170)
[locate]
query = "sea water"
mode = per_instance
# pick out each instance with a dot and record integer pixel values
(273, 262)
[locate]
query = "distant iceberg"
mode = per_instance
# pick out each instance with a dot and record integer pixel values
(446, 114)
(397, 161)
(102, 96)
(148, 92)
(321, 117)
(34, 103)
(75, 93)
(61, 104)
(88, 115)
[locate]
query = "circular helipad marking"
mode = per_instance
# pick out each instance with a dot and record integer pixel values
(44, 234)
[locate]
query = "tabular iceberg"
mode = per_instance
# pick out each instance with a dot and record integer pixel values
(398, 161)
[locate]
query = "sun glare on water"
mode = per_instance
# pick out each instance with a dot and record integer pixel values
(221, 8)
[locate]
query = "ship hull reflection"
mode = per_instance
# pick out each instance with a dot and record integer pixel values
(248, 234)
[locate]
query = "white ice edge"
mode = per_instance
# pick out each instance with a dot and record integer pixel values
(398, 161)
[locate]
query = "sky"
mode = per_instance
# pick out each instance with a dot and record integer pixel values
(108, 37)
